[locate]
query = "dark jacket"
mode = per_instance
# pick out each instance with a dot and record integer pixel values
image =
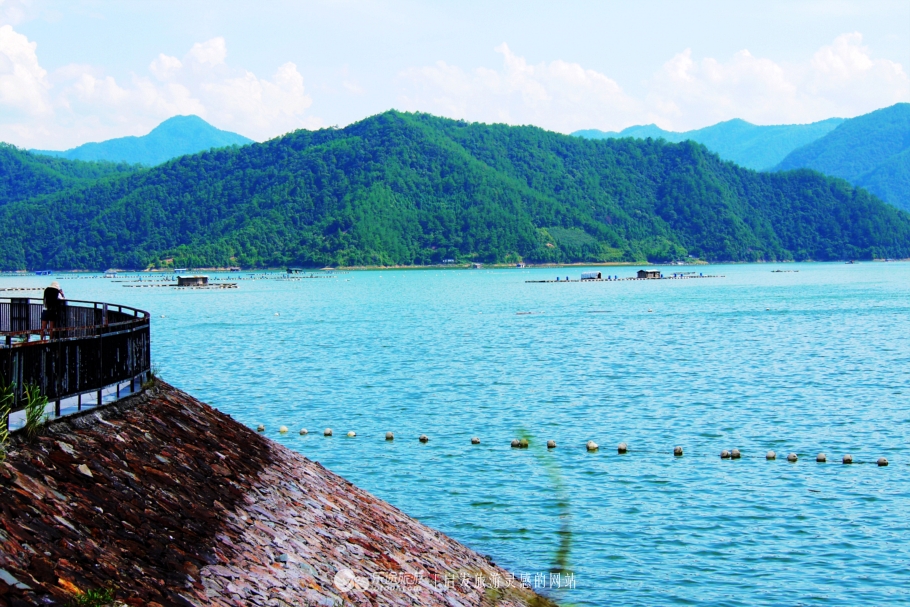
(56, 307)
(52, 299)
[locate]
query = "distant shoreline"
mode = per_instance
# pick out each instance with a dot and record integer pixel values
(462, 266)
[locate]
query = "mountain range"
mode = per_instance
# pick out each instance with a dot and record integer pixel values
(870, 151)
(172, 138)
(748, 145)
(401, 189)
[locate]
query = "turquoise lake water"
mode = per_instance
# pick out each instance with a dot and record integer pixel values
(805, 361)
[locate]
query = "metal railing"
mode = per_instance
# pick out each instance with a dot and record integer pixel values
(92, 347)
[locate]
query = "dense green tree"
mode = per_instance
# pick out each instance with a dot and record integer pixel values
(415, 189)
(24, 175)
(871, 151)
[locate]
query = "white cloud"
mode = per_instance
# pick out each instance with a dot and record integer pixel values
(23, 82)
(744, 87)
(211, 52)
(165, 67)
(80, 103)
(557, 95)
(352, 87)
(846, 72)
(840, 79)
(265, 105)
(13, 12)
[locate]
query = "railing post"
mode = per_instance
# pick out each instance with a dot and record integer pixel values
(57, 367)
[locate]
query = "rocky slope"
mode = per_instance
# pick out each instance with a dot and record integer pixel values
(170, 502)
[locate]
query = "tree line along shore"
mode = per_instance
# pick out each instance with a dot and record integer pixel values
(401, 189)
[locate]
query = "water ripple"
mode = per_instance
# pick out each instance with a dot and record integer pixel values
(806, 362)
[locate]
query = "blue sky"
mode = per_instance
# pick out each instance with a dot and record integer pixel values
(78, 70)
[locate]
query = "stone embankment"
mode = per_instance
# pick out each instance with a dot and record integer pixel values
(170, 502)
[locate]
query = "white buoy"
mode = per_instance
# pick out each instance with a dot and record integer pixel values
(724, 454)
(591, 446)
(352, 434)
(792, 458)
(304, 431)
(678, 451)
(735, 454)
(770, 455)
(848, 459)
(327, 432)
(551, 444)
(277, 314)
(389, 436)
(260, 428)
(515, 443)
(424, 438)
(882, 461)
(821, 458)
(475, 440)
(622, 448)
(283, 429)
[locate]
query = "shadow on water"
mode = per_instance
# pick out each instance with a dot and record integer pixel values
(562, 552)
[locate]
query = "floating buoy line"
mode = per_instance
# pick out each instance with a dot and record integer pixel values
(591, 446)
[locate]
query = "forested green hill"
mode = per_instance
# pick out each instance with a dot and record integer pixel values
(24, 175)
(871, 151)
(415, 189)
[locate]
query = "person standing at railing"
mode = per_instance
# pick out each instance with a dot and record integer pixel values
(54, 314)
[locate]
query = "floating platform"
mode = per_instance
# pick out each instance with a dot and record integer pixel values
(685, 277)
(227, 285)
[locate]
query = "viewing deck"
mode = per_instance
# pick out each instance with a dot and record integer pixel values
(98, 352)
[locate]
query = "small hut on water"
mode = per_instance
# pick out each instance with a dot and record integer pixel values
(192, 281)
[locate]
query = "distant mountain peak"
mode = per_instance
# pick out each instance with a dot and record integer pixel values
(176, 136)
(189, 121)
(748, 145)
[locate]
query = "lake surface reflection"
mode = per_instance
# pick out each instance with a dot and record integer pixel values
(805, 361)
